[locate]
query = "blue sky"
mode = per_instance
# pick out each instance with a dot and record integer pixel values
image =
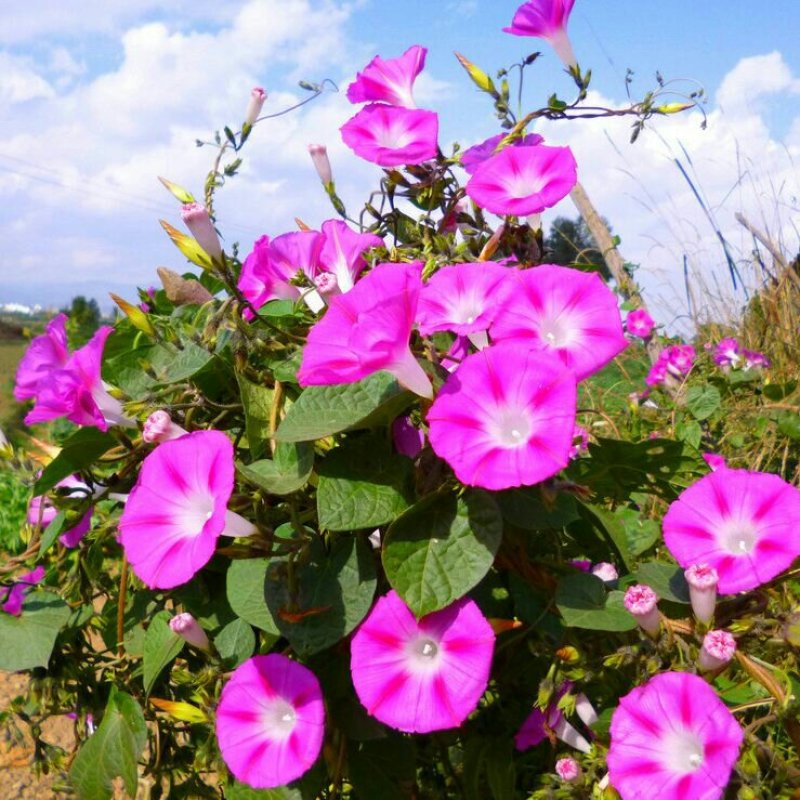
(96, 102)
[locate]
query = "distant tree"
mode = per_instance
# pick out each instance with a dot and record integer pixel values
(570, 243)
(84, 319)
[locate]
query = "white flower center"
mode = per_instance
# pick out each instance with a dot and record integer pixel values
(522, 185)
(196, 512)
(424, 654)
(739, 538)
(279, 719)
(557, 331)
(682, 752)
(392, 137)
(511, 428)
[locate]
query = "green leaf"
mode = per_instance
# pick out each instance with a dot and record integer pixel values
(51, 532)
(689, 432)
(666, 580)
(324, 410)
(610, 527)
(112, 751)
(245, 584)
(584, 603)
(641, 533)
(780, 391)
(257, 401)
(362, 484)
(334, 592)
(235, 642)
(171, 364)
(285, 473)
(527, 509)
(161, 646)
(238, 791)
(703, 401)
(789, 424)
(79, 451)
(383, 769)
(441, 548)
(617, 468)
(500, 771)
(27, 640)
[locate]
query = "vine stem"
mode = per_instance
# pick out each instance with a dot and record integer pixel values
(123, 591)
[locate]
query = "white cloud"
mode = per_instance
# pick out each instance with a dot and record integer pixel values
(19, 81)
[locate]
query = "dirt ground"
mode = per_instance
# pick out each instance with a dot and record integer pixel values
(17, 778)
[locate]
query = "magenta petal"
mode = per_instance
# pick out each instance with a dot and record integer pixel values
(673, 738)
(542, 18)
(367, 330)
(391, 136)
(176, 511)
(463, 298)
(270, 721)
(473, 156)
(746, 525)
(505, 417)
(389, 80)
(73, 536)
(565, 310)
(342, 252)
(421, 676)
(523, 180)
(45, 353)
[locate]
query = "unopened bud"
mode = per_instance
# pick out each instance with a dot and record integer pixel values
(642, 601)
(478, 76)
(159, 427)
(673, 108)
(319, 155)
(568, 770)
(702, 581)
(605, 571)
(188, 628)
(197, 220)
(326, 284)
(717, 650)
(257, 98)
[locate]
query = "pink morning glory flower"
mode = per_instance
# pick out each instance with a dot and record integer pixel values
(568, 770)
(505, 417)
(580, 441)
(642, 602)
(389, 80)
(714, 461)
(197, 219)
(12, 597)
(540, 723)
(702, 581)
(41, 511)
(159, 427)
(45, 354)
(674, 739)
(605, 571)
(463, 298)
(679, 358)
(718, 649)
(546, 19)
(657, 373)
(367, 330)
(270, 721)
(474, 156)
(77, 391)
(342, 253)
(639, 323)
(178, 509)
(755, 360)
(728, 353)
(523, 180)
(426, 675)
(408, 439)
(391, 136)
(746, 525)
(188, 628)
(570, 312)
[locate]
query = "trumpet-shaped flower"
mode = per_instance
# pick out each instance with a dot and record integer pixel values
(572, 313)
(541, 722)
(505, 417)
(728, 353)
(408, 439)
(672, 738)
(717, 650)
(639, 323)
(77, 391)
(745, 525)
(270, 721)
(367, 330)
(178, 509)
(159, 427)
(389, 80)
(426, 675)
(546, 19)
(463, 298)
(391, 136)
(41, 511)
(523, 180)
(474, 156)
(12, 597)
(45, 354)
(342, 253)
